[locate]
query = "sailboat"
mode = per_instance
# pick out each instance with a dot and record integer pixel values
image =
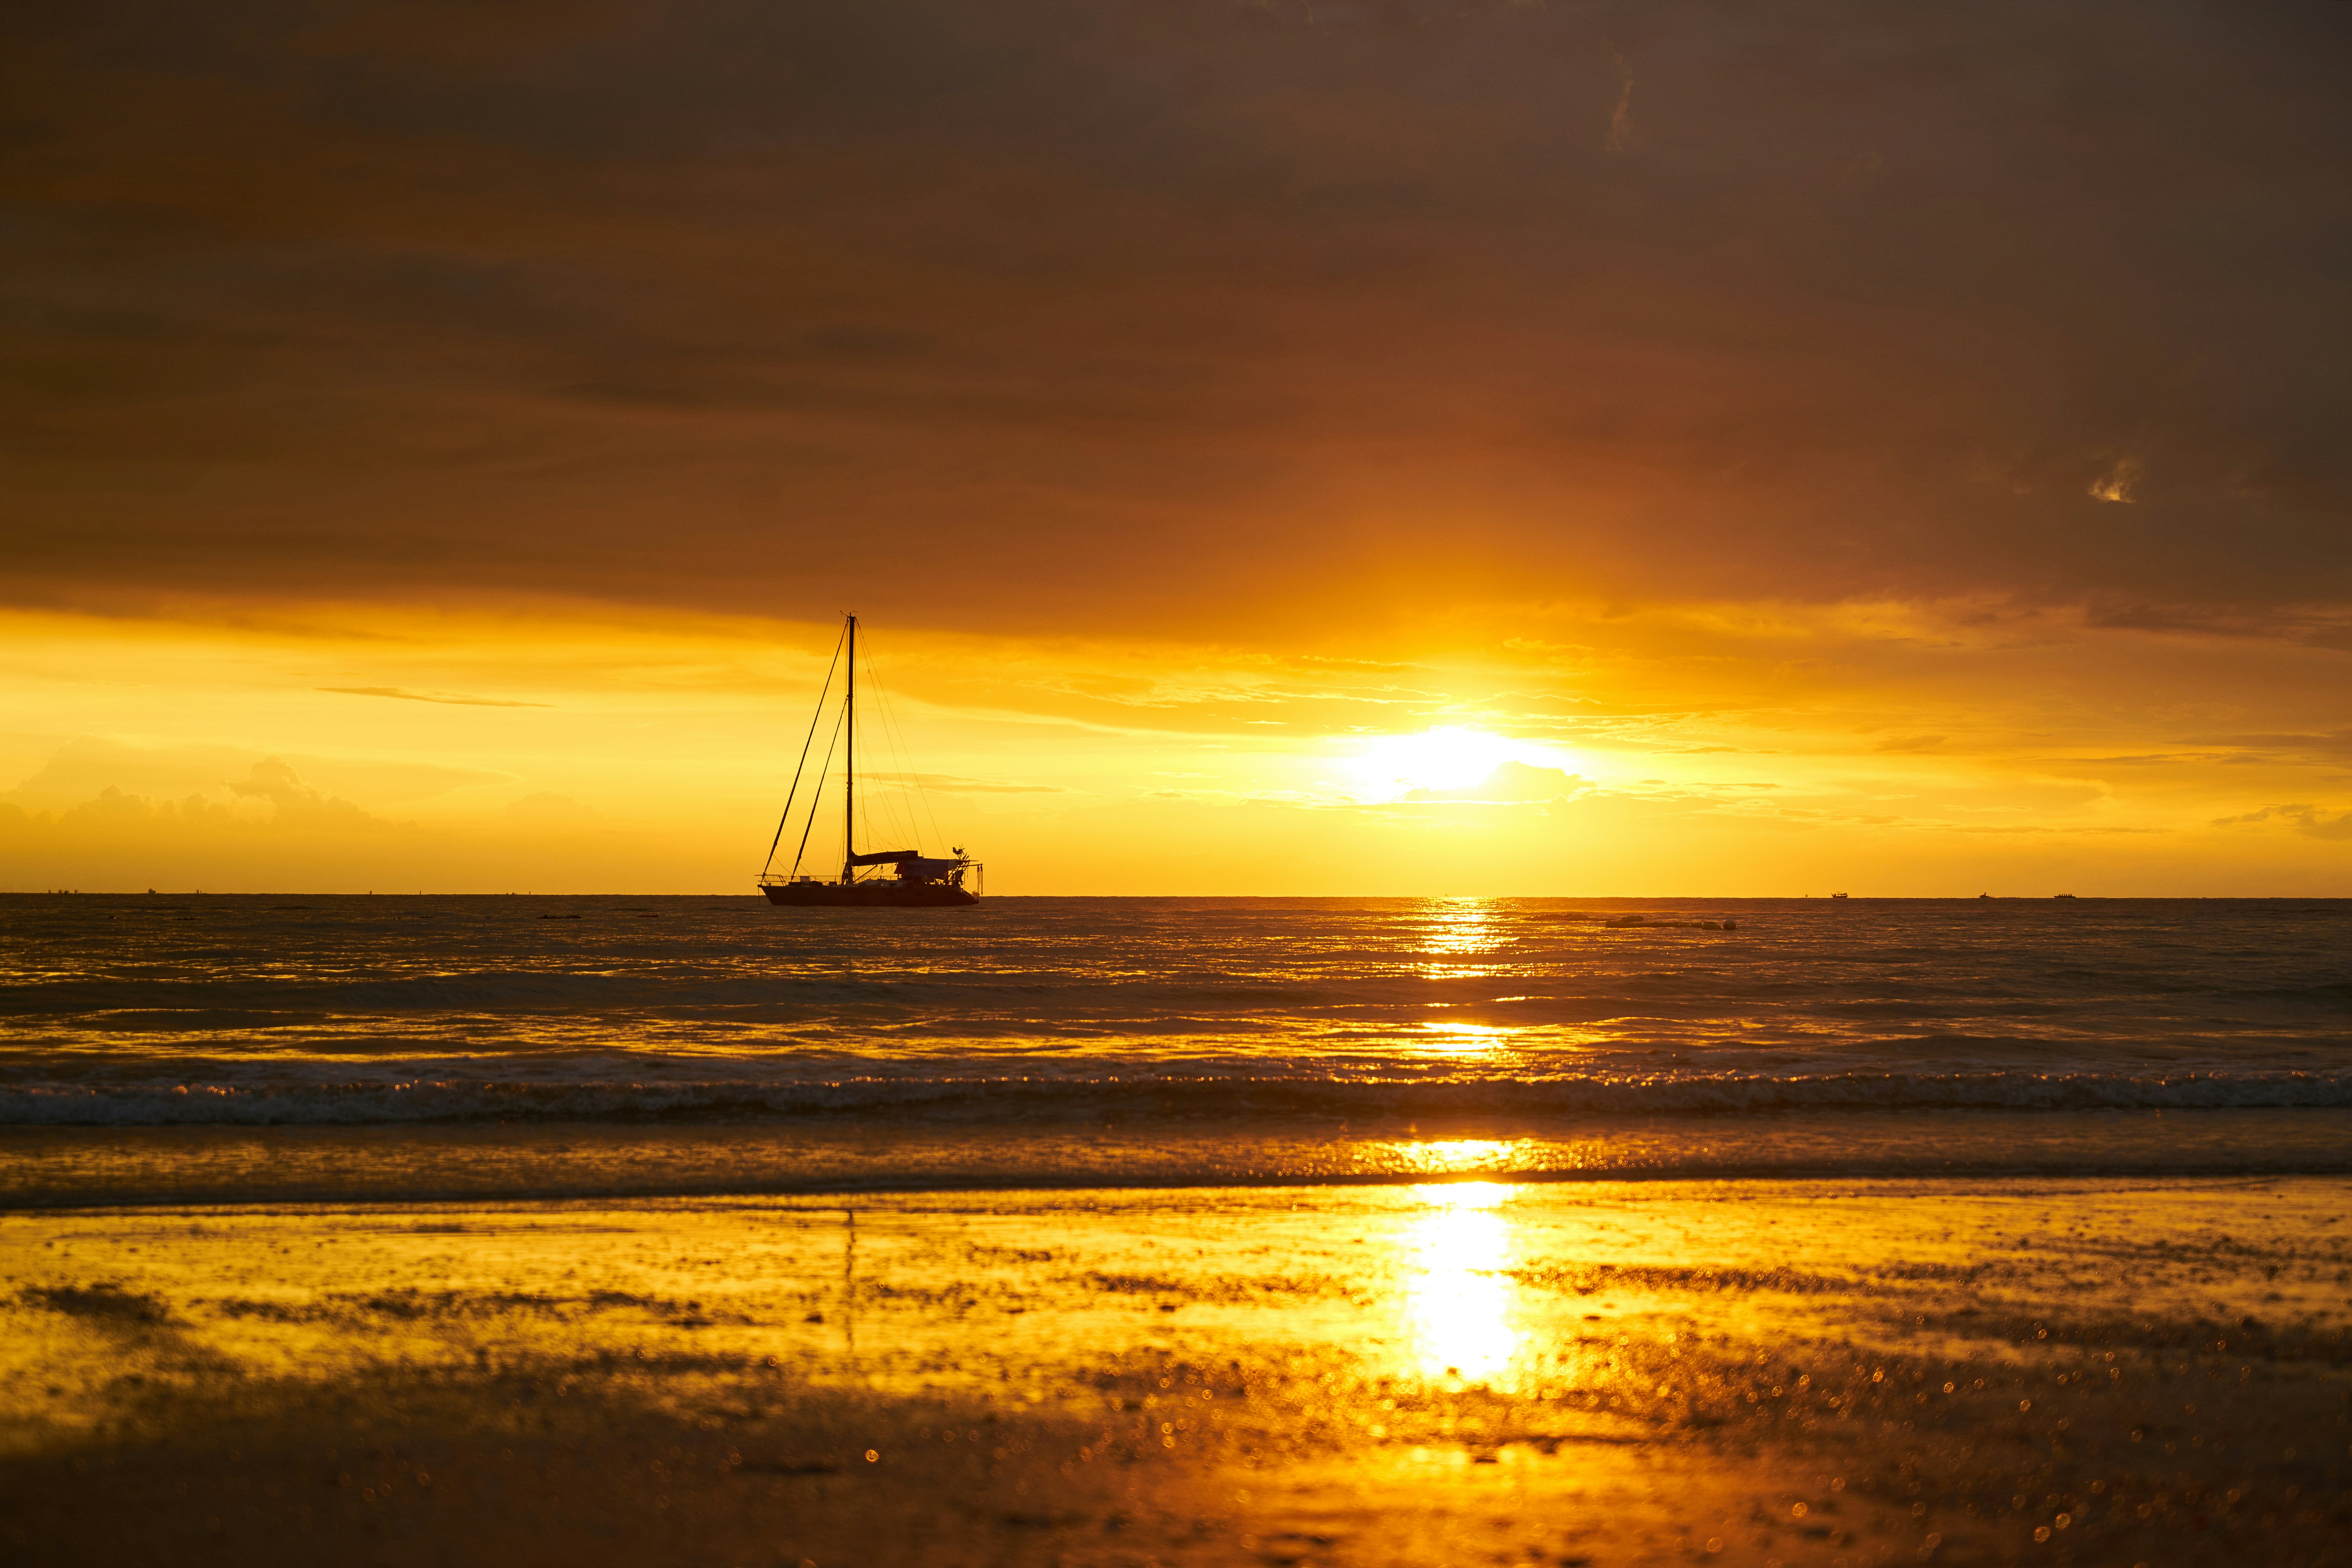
(876, 878)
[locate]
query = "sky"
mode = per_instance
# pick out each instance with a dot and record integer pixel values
(1449, 449)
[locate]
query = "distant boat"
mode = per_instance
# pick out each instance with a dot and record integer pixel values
(917, 880)
(1837, 894)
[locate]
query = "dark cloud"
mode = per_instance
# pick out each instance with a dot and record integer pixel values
(1182, 312)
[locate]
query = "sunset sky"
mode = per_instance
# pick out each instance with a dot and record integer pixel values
(1512, 447)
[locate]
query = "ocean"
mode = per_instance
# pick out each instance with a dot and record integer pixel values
(1203, 1232)
(231, 1048)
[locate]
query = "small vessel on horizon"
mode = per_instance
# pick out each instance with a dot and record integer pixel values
(917, 881)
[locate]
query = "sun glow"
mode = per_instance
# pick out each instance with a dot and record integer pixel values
(1448, 757)
(339, 747)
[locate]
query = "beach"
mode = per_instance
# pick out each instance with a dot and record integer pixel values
(1796, 1371)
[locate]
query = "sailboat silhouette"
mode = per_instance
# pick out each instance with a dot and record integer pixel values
(917, 880)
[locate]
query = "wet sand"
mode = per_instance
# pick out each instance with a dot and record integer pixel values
(1792, 1372)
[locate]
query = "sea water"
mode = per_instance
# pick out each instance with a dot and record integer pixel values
(218, 1049)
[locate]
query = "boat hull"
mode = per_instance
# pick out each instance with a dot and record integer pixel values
(878, 894)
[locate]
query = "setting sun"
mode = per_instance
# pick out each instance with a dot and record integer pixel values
(1449, 756)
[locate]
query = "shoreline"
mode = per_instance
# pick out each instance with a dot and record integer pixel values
(44, 1168)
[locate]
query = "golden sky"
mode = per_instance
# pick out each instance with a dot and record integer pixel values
(1430, 447)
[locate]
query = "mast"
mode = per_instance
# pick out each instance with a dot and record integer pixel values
(849, 761)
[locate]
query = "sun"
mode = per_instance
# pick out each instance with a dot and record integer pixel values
(1448, 757)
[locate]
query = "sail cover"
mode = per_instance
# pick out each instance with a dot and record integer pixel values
(886, 857)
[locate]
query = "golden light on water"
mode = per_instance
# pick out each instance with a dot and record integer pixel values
(1466, 1040)
(1460, 930)
(1460, 926)
(1446, 1157)
(1458, 1303)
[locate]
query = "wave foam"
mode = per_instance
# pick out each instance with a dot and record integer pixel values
(1015, 1101)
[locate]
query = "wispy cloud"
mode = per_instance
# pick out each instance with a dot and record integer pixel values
(453, 698)
(2116, 484)
(1621, 118)
(949, 783)
(2309, 820)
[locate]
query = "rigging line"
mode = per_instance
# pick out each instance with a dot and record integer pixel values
(923, 795)
(897, 750)
(802, 766)
(889, 811)
(914, 780)
(911, 791)
(896, 734)
(879, 742)
(816, 799)
(892, 804)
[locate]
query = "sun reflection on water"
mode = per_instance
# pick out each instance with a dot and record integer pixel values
(1460, 1156)
(1461, 925)
(1456, 1300)
(1468, 1037)
(1459, 929)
